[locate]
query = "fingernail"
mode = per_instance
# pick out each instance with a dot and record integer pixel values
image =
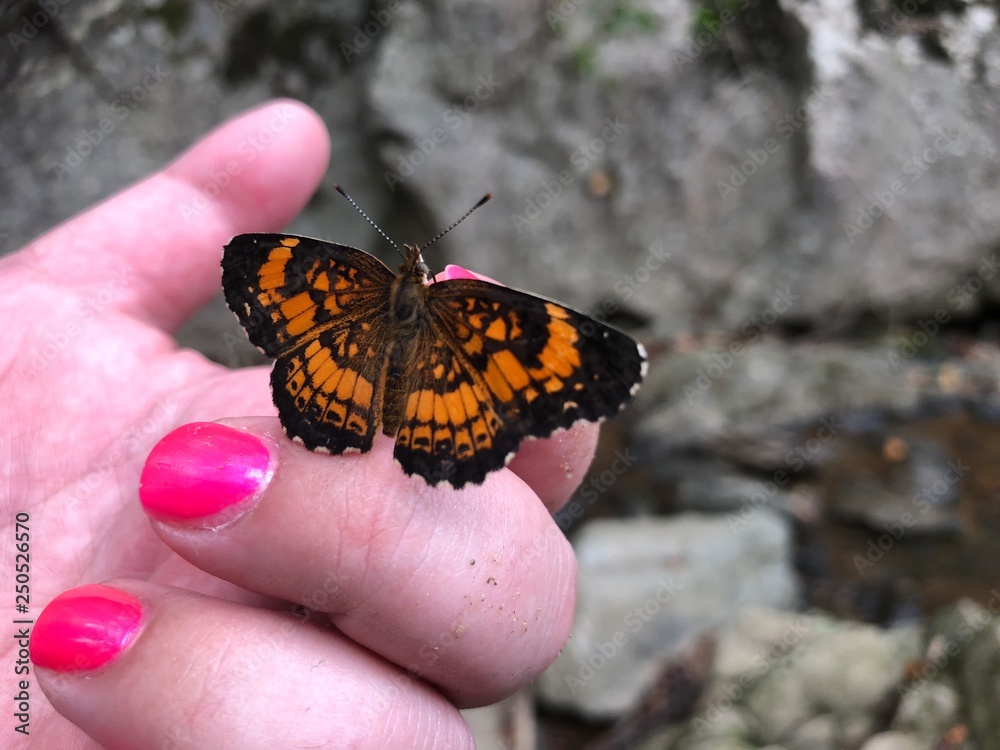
(201, 469)
(451, 271)
(84, 628)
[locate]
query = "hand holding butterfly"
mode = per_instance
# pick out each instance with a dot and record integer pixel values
(415, 600)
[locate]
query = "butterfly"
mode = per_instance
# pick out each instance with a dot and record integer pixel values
(459, 372)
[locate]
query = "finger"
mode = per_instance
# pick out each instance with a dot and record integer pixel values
(472, 590)
(555, 466)
(144, 666)
(156, 247)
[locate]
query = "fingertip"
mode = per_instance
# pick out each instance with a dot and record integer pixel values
(206, 473)
(261, 165)
(85, 628)
(555, 466)
(254, 172)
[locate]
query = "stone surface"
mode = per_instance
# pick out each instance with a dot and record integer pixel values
(894, 741)
(648, 587)
(507, 725)
(696, 175)
(978, 667)
(882, 502)
(927, 710)
(713, 490)
(799, 681)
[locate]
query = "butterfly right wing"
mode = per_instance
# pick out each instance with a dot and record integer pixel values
(321, 310)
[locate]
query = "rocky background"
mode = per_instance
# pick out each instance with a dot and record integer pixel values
(793, 540)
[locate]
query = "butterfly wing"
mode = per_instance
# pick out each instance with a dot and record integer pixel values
(504, 365)
(320, 309)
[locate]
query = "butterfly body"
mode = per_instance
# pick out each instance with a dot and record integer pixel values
(459, 372)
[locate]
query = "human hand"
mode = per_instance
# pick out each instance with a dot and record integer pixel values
(400, 626)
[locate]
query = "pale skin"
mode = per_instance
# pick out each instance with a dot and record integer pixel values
(403, 630)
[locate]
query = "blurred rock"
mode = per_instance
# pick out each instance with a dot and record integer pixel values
(894, 741)
(977, 636)
(927, 709)
(791, 166)
(799, 680)
(715, 492)
(648, 587)
(692, 398)
(916, 494)
(507, 725)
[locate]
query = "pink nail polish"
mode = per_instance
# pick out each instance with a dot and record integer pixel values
(451, 271)
(201, 469)
(85, 628)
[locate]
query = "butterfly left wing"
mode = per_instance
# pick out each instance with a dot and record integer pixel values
(320, 309)
(502, 365)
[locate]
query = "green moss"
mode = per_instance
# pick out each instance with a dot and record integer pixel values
(175, 15)
(709, 16)
(585, 58)
(627, 18)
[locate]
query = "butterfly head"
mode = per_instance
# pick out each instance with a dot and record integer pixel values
(414, 266)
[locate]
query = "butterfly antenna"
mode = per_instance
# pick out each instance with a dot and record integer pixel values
(378, 229)
(481, 202)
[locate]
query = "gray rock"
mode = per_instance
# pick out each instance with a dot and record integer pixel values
(887, 501)
(818, 733)
(648, 587)
(804, 681)
(928, 709)
(979, 672)
(693, 398)
(894, 741)
(507, 725)
(631, 169)
(714, 492)
(796, 163)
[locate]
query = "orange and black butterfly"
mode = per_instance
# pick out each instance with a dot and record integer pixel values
(459, 372)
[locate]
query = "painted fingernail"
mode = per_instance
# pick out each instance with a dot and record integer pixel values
(85, 628)
(201, 469)
(451, 271)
